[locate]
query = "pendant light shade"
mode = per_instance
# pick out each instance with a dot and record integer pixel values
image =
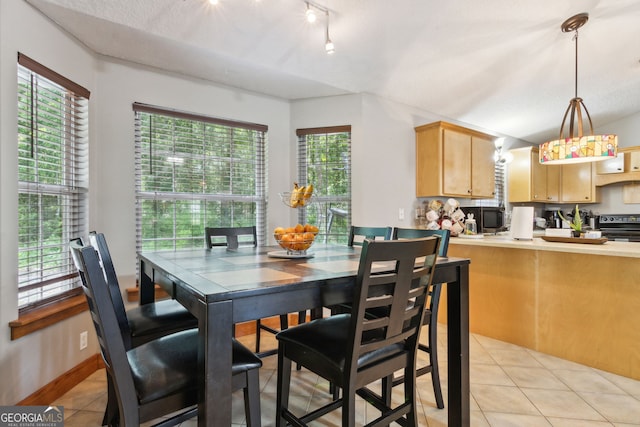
(577, 147)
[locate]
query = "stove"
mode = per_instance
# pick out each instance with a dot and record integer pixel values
(620, 227)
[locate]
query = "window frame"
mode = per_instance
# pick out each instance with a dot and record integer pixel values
(321, 196)
(224, 199)
(71, 186)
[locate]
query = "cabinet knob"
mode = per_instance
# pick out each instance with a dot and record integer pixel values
(469, 191)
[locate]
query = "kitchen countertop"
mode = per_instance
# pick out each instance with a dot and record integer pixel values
(610, 248)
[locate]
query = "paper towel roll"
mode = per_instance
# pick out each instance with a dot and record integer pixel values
(522, 223)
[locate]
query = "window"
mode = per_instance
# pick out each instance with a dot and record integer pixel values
(324, 160)
(194, 172)
(52, 182)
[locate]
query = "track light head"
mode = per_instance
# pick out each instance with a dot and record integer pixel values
(311, 14)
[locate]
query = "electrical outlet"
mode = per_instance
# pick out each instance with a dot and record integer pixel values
(401, 214)
(83, 340)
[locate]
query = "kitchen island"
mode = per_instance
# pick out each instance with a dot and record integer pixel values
(580, 302)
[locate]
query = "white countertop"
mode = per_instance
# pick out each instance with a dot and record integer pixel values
(611, 248)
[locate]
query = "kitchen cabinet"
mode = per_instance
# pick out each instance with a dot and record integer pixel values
(615, 165)
(626, 164)
(577, 185)
(530, 181)
(454, 161)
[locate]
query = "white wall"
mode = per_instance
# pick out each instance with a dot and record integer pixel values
(121, 84)
(32, 361)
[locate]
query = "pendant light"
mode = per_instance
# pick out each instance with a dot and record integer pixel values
(577, 147)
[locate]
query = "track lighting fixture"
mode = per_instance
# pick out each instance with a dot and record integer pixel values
(328, 45)
(310, 14)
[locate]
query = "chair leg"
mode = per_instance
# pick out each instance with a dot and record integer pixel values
(410, 393)
(252, 399)
(284, 383)
(111, 412)
(433, 360)
(348, 408)
(258, 330)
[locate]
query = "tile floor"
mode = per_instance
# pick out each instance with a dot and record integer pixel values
(510, 386)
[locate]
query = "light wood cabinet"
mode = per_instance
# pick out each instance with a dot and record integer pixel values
(634, 161)
(530, 181)
(454, 161)
(577, 183)
(629, 158)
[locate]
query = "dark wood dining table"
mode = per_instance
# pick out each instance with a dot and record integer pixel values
(223, 287)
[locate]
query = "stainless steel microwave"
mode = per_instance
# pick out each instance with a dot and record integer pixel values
(490, 219)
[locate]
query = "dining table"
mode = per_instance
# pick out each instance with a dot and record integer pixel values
(222, 287)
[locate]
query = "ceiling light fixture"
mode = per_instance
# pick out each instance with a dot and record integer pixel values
(577, 148)
(310, 14)
(328, 44)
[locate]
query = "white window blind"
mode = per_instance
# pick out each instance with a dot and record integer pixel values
(324, 160)
(52, 182)
(193, 172)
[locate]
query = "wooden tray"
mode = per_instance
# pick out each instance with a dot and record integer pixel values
(583, 240)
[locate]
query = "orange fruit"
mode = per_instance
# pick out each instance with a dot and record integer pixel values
(278, 232)
(299, 228)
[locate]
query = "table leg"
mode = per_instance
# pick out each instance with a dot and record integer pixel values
(147, 287)
(458, 349)
(214, 359)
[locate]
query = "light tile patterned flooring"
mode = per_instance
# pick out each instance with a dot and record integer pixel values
(510, 386)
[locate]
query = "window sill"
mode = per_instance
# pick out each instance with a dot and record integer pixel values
(47, 316)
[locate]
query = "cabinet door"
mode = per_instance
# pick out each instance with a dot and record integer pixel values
(539, 179)
(483, 177)
(456, 163)
(553, 182)
(634, 161)
(577, 185)
(615, 165)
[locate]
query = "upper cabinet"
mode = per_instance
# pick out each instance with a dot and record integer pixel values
(624, 168)
(577, 184)
(530, 181)
(454, 161)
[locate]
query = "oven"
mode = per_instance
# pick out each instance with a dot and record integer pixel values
(619, 227)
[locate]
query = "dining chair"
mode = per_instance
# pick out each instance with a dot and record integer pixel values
(138, 325)
(352, 350)
(159, 377)
(431, 312)
(232, 238)
(367, 233)
(144, 322)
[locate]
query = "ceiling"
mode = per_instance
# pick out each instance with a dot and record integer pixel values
(499, 65)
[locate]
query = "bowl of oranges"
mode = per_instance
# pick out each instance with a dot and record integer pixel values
(296, 240)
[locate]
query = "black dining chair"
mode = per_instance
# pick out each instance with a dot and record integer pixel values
(431, 312)
(370, 233)
(160, 377)
(232, 238)
(138, 325)
(144, 322)
(353, 350)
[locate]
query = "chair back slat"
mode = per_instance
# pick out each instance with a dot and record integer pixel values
(231, 237)
(399, 295)
(415, 233)
(370, 233)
